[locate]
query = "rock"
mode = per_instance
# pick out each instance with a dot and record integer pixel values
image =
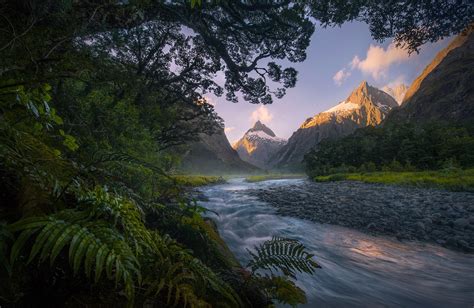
(427, 221)
(365, 106)
(258, 145)
(420, 225)
(464, 245)
(380, 210)
(371, 226)
(461, 223)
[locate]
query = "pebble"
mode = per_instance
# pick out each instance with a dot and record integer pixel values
(435, 216)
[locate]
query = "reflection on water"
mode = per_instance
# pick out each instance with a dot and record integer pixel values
(359, 270)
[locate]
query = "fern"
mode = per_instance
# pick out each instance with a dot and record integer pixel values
(179, 275)
(284, 290)
(286, 255)
(94, 246)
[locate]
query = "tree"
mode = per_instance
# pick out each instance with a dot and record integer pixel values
(238, 35)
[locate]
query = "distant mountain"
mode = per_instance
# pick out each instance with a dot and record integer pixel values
(258, 145)
(214, 155)
(365, 106)
(445, 88)
(397, 92)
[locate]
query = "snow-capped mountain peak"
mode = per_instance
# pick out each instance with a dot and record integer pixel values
(258, 144)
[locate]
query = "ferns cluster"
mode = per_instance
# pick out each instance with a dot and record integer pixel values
(106, 234)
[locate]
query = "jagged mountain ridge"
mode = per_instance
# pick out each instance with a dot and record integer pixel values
(258, 145)
(213, 154)
(365, 106)
(445, 89)
(397, 92)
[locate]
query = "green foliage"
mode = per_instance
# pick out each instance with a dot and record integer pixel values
(97, 248)
(287, 256)
(284, 290)
(106, 234)
(283, 254)
(451, 179)
(395, 148)
(197, 180)
(259, 178)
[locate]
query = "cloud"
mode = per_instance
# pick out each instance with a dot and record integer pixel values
(397, 81)
(229, 129)
(340, 76)
(261, 114)
(210, 100)
(378, 60)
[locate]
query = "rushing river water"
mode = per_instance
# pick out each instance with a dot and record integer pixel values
(358, 270)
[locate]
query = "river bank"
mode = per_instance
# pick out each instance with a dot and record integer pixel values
(358, 269)
(408, 213)
(454, 180)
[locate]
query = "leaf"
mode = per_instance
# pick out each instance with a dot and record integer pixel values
(62, 241)
(19, 243)
(283, 254)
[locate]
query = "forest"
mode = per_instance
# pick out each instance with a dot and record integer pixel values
(98, 100)
(396, 147)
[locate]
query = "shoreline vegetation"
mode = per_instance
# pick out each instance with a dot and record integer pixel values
(197, 180)
(267, 177)
(453, 180)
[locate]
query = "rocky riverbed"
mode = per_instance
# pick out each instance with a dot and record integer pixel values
(442, 217)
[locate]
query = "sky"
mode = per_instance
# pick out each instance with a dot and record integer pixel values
(338, 60)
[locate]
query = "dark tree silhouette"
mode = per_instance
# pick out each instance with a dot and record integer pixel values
(241, 38)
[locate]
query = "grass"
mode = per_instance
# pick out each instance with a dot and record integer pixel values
(266, 177)
(198, 180)
(455, 179)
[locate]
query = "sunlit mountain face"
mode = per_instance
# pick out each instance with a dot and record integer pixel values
(365, 106)
(258, 145)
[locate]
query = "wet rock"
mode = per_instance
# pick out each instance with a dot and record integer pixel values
(461, 223)
(405, 212)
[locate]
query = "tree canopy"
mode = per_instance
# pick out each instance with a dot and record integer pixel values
(242, 39)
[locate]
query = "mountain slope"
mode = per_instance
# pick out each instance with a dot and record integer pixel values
(365, 106)
(258, 145)
(214, 155)
(397, 92)
(445, 89)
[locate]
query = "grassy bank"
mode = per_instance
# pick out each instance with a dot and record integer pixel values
(198, 180)
(456, 180)
(265, 177)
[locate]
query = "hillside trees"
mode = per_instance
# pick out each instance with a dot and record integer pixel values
(397, 147)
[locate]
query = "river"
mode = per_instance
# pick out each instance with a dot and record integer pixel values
(358, 270)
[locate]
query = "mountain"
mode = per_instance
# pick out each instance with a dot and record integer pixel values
(397, 92)
(365, 106)
(445, 88)
(258, 145)
(212, 154)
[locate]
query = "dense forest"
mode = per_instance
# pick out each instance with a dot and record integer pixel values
(396, 147)
(97, 99)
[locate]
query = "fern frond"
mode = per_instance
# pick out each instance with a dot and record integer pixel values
(215, 283)
(92, 246)
(286, 255)
(102, 204)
